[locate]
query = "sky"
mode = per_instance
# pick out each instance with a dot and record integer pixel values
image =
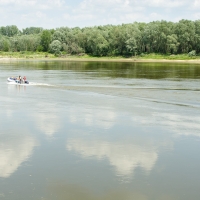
(83, 13)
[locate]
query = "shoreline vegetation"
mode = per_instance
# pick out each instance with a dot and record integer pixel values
(13, 56)
(137, 41)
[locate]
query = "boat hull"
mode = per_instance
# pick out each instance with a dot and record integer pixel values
(15, 81)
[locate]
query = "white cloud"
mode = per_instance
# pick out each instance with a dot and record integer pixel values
(99, 7)
(40, 15)
(164, 3)
(118, 11)
(37, 3)
(89, 13)
(18, 2)
(196, 5)
(79, 17)
(196, 15)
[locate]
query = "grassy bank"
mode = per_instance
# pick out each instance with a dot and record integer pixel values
(26, 55)
(144, 57)
(169, 57)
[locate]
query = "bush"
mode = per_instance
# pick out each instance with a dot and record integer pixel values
(192, 53)
(142, 54)
(55, 47)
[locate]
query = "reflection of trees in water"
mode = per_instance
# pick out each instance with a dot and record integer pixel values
(148, 70)
(63, 191)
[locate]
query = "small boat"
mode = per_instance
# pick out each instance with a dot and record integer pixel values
(14, 80)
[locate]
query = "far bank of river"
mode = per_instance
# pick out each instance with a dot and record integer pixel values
(98, 59)
(32, 56)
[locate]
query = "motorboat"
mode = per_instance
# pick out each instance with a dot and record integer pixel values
(14, 80)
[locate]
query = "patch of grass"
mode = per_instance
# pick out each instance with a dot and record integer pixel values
(25, 54)
(45, 55)
(168, 57)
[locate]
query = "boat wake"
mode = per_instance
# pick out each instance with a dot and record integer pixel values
(172, 96)
(14, 83)
(31, 83)
(41, 84)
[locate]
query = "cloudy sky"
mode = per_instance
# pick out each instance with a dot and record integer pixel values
(72, 13)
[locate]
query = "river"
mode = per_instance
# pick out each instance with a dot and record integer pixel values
(100, 130)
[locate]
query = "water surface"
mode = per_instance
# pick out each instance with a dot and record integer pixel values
(100, 130)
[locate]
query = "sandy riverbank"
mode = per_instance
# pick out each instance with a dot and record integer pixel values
(10, 59)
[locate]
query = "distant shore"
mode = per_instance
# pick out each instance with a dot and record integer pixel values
(86, 58)
(100, 60)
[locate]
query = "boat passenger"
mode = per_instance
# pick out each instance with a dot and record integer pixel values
(20, 79)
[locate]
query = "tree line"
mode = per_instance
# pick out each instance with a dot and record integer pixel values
(110, 40)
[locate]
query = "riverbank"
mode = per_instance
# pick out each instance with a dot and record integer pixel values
(14, 56)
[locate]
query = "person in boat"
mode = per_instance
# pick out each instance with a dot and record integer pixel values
(20, 79)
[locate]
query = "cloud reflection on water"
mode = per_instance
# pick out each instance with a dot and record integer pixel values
(100, 117)
(124, 157)
(182, 124)
(179, 124)
(14, 152)
(47, 119)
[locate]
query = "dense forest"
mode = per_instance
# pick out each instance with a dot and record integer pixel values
(110, 40)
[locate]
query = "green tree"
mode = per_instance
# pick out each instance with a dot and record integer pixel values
(4, 44)
(58, 35)
(32, 30)
(172, 44)
(131, 45)
(185, 30)
(97, 44)
(197, 35)
(192, 53)
(55, 47)
(25, 43)
(45, 40)
(9, 30)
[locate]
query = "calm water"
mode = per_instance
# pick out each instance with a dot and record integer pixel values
(93, 131)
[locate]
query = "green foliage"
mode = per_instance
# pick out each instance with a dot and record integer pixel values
(32, 30)
(72, 48)
(158, 37)
(4, 44)
(172, 44)
(45, 40)
(131, 44)
(26, 54)
(58, 35)
(25, 43)
(39, 48)
(55, 47)
(97, 44)
(9, 30)
(192, 53)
